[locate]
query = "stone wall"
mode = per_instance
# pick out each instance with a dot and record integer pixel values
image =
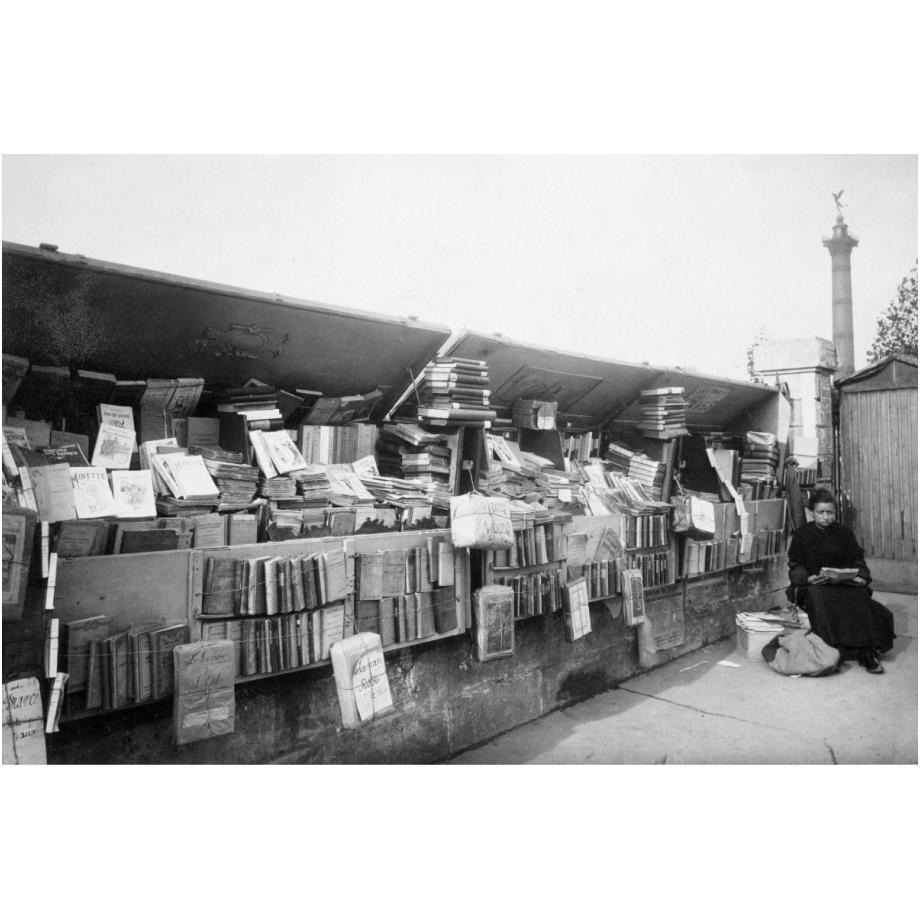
(445, 701)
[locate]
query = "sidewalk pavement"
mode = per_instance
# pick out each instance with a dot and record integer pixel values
(699, 710)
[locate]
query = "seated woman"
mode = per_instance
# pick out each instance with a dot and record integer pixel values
(843, 615)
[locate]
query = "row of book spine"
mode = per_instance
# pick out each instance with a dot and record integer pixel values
(535, 593)
(706, 556)
(134, 665)
(582, 446)
(272, 585)
(270, 644)
(644, 530)
(541, 543)
(407, 617)
(655, 568)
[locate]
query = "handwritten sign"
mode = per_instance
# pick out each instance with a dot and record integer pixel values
(204, 704)
(361, 678)
(23, 725)
(372, 689)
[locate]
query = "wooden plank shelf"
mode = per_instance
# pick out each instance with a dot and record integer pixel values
(526, 569)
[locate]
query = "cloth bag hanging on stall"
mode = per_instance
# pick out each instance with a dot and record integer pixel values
(478, 522)
(693, 516)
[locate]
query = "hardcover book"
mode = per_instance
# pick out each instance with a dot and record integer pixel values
(60, 438)
(208, 530)
(81, 538)
(142, 655)
(335, 573)
(222, 584)
(69, 453)
(242, 529)
(164, 640)
(370, 576)
(394, 573)
(117, 416)
(78, 637)
(333, 624)
(445, 611)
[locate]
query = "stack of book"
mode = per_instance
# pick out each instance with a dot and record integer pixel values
(236, 481)
(245, 409)
(279, 487)
(647, 472)
(755, 630)
(759, 462)
(455, 391)
(313, 487)
(664, 413)
(421, 457)
(619, 456)
(400, 493)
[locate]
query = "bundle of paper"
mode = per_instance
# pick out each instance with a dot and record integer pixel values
(278, 487)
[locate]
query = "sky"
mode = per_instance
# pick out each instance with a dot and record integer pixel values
(674, 260)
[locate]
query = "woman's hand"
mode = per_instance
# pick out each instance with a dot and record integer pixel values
(818, 579)
(857, 580)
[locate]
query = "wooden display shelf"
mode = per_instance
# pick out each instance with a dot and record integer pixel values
(143, 590)
(526, 569)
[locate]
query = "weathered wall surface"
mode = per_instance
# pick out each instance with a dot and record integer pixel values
(445, 701)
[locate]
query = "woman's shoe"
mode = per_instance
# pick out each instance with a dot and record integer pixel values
(871, 663)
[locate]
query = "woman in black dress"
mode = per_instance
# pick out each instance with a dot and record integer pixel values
(843, 615)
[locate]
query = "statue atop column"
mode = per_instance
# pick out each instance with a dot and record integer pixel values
(837, 196)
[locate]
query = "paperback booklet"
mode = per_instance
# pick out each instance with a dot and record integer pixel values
(91, 493)
(53, 492)
(133, 494)
(114, 447)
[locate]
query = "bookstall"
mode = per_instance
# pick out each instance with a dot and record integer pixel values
(268, 481)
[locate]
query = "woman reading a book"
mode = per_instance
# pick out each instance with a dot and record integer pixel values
(829, 581)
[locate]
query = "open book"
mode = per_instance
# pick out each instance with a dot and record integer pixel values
(838, 575)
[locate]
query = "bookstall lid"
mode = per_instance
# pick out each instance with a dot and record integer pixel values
(712, 402)
(68, 310)
(592, 392)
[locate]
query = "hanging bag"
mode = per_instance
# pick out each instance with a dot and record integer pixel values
(478, 522)
(693, 516)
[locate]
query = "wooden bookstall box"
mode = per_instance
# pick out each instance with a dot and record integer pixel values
(601, 547)
(534, 568)
(147, 596)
